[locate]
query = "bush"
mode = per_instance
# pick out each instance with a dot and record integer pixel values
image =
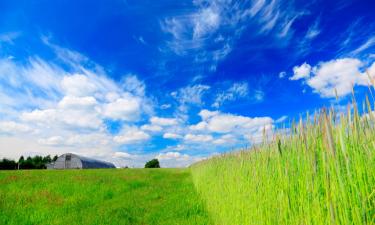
(6, 164)
(153, 164)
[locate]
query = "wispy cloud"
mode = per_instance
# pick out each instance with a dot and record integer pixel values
(9, 37)
(366, 45)
(313, 30)
(211, 28)
(190, 95)
(237, 90)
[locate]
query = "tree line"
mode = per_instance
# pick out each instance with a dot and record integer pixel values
(35, 162)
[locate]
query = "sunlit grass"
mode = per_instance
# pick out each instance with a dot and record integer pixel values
(322, 172)
(131, 196)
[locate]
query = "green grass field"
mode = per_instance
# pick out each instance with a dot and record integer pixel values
(126, 196)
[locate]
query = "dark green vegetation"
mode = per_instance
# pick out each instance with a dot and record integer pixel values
(154, 163)
(112, 196)
(36, 162)
(7, 164)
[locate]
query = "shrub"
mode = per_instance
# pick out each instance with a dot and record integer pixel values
(6, 164)
(153, 164)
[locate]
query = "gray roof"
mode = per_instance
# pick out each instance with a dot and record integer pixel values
(94, 161)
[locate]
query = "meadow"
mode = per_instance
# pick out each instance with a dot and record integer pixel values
(123, 196)
(316, 171)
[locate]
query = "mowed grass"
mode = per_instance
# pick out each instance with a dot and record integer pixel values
(323, 172)
(123, 196)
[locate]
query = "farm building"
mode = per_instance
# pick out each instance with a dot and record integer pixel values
(73, 161)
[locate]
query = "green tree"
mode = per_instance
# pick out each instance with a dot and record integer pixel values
(154, 163)
(6, 164)
(21, 162)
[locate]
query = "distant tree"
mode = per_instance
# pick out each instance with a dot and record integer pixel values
(28, 163)
(55, 158)
(35, 162)
(154, 163)
(21, 161)
(6, 164)
(47, 159)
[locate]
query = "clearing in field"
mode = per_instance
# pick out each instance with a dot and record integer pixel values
(127, 196)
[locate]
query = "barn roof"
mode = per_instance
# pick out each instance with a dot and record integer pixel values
(94, 161)
(90, 162)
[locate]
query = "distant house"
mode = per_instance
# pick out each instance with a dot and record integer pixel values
(73, 161)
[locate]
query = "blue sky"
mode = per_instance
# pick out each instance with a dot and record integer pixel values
(127, 81)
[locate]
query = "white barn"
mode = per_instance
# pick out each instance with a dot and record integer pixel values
(73, 161)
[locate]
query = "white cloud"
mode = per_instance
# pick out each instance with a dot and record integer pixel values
(72, 102)
(337, 76)
(300, 72)
(199, 126)
(131, 135)
(55, 109)
(163, 121)
(206, 21)
(24, 84)
(176, 159)
(54, 141)
(225, 139)
(171, 136)
(371, 71)
(206, 114)
(158, 124)
(64, 118)
(172, 155)
(10, 127)
(151, 127)
(123, 155)
(78, 85)
(132, 84)
(127, 108)
(224, 129)
(198, 138)
(225, 123)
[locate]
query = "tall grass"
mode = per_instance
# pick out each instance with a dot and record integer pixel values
(322, 172)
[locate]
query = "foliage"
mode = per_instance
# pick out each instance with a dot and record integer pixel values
(321, 172)
(154, 163)
(6, 164)
(108, 196)
(36, 162)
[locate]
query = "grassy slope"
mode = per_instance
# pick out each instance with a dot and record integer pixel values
(131, 196)
(322, 174)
